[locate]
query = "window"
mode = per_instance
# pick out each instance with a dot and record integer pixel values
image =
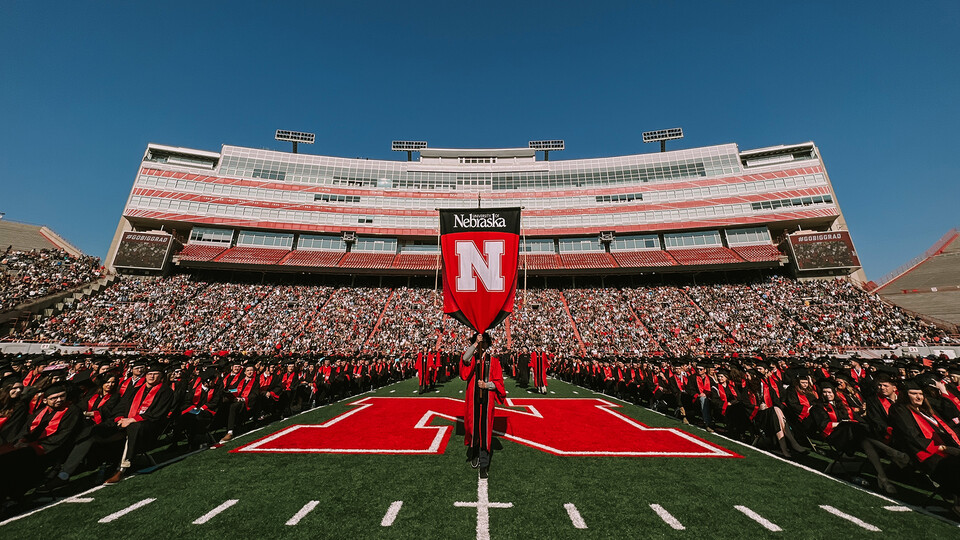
(206, 234)
(326, 197)
(308, 241)
(620, 198)
(386, 245)
(580, 244)
(692, 239)
(754, 235)
(265, 239)
(785, 203)
(635, 243)
(538, 245)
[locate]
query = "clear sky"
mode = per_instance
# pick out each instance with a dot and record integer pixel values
(84, 86)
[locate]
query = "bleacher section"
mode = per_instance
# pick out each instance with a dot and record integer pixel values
(200, 252)
(759, 253)
(643, 259)
(587, 260)
(704, 256)
(931, 286)
(540, 261)
(26, 237)
(417, 261)
(317, 259)
(252, 255)
(379, 261)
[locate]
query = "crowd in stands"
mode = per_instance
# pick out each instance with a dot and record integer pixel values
(776, 316)
(26, 276)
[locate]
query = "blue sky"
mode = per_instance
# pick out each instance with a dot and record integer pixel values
(84, 86)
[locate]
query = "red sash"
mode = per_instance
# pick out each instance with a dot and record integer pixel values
(142, 401)
(833, 419)
(805, 402)
(930, 434)
(287, 380)
(52, 425)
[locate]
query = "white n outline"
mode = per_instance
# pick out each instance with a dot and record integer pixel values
(488, 266)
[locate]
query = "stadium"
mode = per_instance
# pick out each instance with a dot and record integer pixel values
(693, 349)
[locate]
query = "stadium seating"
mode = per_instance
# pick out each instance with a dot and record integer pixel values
(252, 255)
(417, 261)
(587, 260)
(759, 253)
(378, 261)
(312, 258)
(201, 252)
(706, 255)
(643, 259)
(540, 261)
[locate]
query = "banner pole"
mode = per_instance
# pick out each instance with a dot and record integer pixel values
(436, 265)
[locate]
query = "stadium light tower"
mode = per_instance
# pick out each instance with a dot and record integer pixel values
(408, 146)
(294, 137)
(663, 135)
(547, 146)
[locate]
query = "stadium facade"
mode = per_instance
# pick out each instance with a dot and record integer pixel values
(697, 209)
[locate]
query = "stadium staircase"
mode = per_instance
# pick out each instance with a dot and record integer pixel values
(46, 307)
(706, 315)
(376, 325)
(641, 325)
(309, 324)
(573, 323)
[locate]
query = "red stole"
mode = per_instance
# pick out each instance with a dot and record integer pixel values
(805, 402)
(832, 413)
(142, 401)
(930, 434)
(52, 425)
(287, 380)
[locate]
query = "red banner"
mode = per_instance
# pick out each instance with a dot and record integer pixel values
(480, 248)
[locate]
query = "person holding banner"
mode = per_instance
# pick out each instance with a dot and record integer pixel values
(485, 389)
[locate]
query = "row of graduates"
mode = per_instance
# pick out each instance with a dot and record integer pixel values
(905, 411)
(60, 416)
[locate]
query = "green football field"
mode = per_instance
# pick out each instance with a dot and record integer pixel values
(530, 493)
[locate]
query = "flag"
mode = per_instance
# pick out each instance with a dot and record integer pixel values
(480, 248)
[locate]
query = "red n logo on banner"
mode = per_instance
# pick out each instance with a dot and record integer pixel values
(488, 266)
(480, 248)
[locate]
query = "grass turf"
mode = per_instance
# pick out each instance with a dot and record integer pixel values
(612, 494)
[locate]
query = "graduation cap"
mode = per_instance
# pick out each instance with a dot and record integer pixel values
(55, 388)
(209, 374)
(826, 383)
(912, 384)
(156, 367)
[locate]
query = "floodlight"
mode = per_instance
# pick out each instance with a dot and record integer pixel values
(663, 135)
(294, 137)
(408, 146)
(547, 146)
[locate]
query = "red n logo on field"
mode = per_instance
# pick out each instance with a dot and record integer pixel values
(564, 427)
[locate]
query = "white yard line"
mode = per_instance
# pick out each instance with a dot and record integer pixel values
(213, 513)
(307, 508)
(483, 506)
(667, 517)
(898, 508)
(76, 498)
(848, 517)
(391, 514)
(575, 516)
(117, 515)
(767, 524)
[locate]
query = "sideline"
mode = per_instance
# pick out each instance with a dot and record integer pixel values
(917, 509)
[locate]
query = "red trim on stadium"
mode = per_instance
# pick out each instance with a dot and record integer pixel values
(469, 197)
(361, 210)
(564, 231)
